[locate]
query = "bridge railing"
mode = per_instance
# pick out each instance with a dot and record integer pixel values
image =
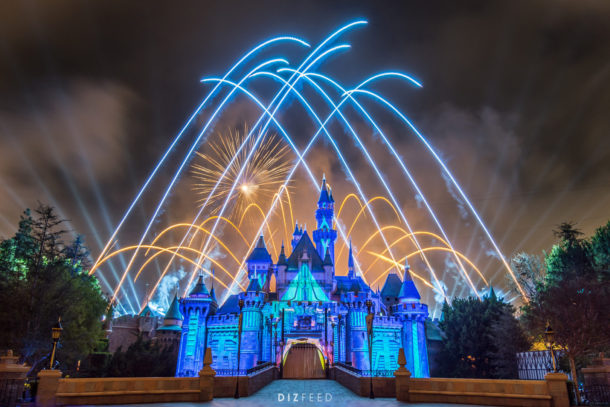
(243, 372)
(366, 373)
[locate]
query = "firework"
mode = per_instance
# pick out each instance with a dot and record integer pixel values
(261, 178)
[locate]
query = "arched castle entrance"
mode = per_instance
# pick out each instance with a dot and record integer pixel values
(303, 360)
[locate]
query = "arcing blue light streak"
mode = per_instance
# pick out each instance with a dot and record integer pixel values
(290, 142)
(336, 109)
(448, 173)
(177, 175)
(269, 112)
(201, 209)
(329, 38)
(314, 181)
(400, 163)
(338, 151)
(256, 142)
(187, 124)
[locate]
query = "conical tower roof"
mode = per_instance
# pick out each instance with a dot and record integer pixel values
(174, 310)
(260, 253)
(408, 291)
(281, 261)
(200, 290)
(325, 196)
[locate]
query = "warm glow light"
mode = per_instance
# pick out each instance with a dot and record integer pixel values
(246, 189)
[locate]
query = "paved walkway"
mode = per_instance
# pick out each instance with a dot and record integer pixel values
(309, 393)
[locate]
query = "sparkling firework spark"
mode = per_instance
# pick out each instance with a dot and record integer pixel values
(263, 175)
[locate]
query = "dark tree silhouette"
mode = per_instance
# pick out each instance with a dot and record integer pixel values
(41, 279)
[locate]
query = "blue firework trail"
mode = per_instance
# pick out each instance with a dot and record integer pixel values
(304, 71)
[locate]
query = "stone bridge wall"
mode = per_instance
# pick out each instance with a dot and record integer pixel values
(382, 386)
(55, 391)
(551, 392)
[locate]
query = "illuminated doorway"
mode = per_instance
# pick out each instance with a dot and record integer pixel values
(303, 360)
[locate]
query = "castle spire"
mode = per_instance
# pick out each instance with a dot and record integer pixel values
(408, 291)
(324, 196)
(261, 243)
(281, 260)
(350, 261)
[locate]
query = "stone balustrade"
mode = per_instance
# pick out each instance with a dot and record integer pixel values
(551, 392)
(56, 391)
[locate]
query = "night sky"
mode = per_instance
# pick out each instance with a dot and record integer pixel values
(515, 98)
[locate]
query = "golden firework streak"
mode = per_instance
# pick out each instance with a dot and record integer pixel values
(163, 249)
(426, 249)
(361, 211)
(421, 232)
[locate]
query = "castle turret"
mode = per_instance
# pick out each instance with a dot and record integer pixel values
(391, 289)
(195, 308)
(324, 236)
(408, 291)
(252, 320)
(356, 336)
(413, 315)
(169, 333)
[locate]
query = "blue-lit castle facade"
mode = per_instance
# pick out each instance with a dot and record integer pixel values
(299, 301)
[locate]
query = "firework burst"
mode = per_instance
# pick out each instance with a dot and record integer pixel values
(261, 178)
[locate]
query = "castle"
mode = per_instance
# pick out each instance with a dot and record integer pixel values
(298, 314)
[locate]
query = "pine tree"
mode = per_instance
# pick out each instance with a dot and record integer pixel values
(477, 333)
(41, 279)
(574, 296)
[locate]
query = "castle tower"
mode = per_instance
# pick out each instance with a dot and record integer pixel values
(259, 262)
(324, 236)
(195, 308)
(252, 321)
(413, 315)
(169, 333)
(356, 336)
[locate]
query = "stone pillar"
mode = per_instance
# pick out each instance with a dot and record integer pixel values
(12, 379)
(598, 374)
(206, 378)
(48, 382)
(403, 376)
(558, 389)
